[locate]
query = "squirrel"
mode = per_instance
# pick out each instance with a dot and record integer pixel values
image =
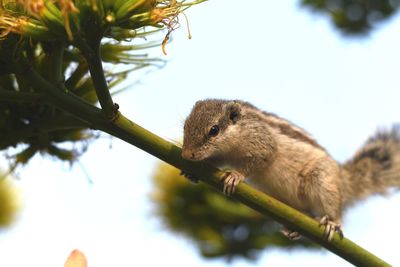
(284, 161)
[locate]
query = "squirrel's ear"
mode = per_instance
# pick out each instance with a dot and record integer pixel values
(233, 111)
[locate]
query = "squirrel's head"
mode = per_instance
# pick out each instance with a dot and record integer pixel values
(210, 129)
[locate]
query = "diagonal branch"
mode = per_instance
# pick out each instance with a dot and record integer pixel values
(162, 149)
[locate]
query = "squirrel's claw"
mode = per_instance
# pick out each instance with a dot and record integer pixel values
(330, 228)
(231, 180)
(290, 234)
(190, 177)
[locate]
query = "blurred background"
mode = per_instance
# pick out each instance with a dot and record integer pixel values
(331, 67)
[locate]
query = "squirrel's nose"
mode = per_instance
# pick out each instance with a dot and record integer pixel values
(187, 154)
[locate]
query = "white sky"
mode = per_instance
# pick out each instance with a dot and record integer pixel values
(271, 53)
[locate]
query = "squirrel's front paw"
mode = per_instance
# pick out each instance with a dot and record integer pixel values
(330, 227)
(231, 180)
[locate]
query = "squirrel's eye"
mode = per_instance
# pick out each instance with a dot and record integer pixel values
(214, 130)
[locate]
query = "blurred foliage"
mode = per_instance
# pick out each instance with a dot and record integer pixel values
(355, 17)
(219, 226)
(51, 37)
(40, 126)
(9, 201)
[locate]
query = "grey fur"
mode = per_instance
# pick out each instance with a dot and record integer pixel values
(375, 167)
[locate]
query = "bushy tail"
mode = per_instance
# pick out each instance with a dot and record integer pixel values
(375, 167)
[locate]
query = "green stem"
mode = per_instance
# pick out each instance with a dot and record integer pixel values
(132, 133)
(93, 58)
(21, 97)
(72, 82)
(56, 68)
(162, 149)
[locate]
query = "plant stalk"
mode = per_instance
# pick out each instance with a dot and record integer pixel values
(93, 58)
